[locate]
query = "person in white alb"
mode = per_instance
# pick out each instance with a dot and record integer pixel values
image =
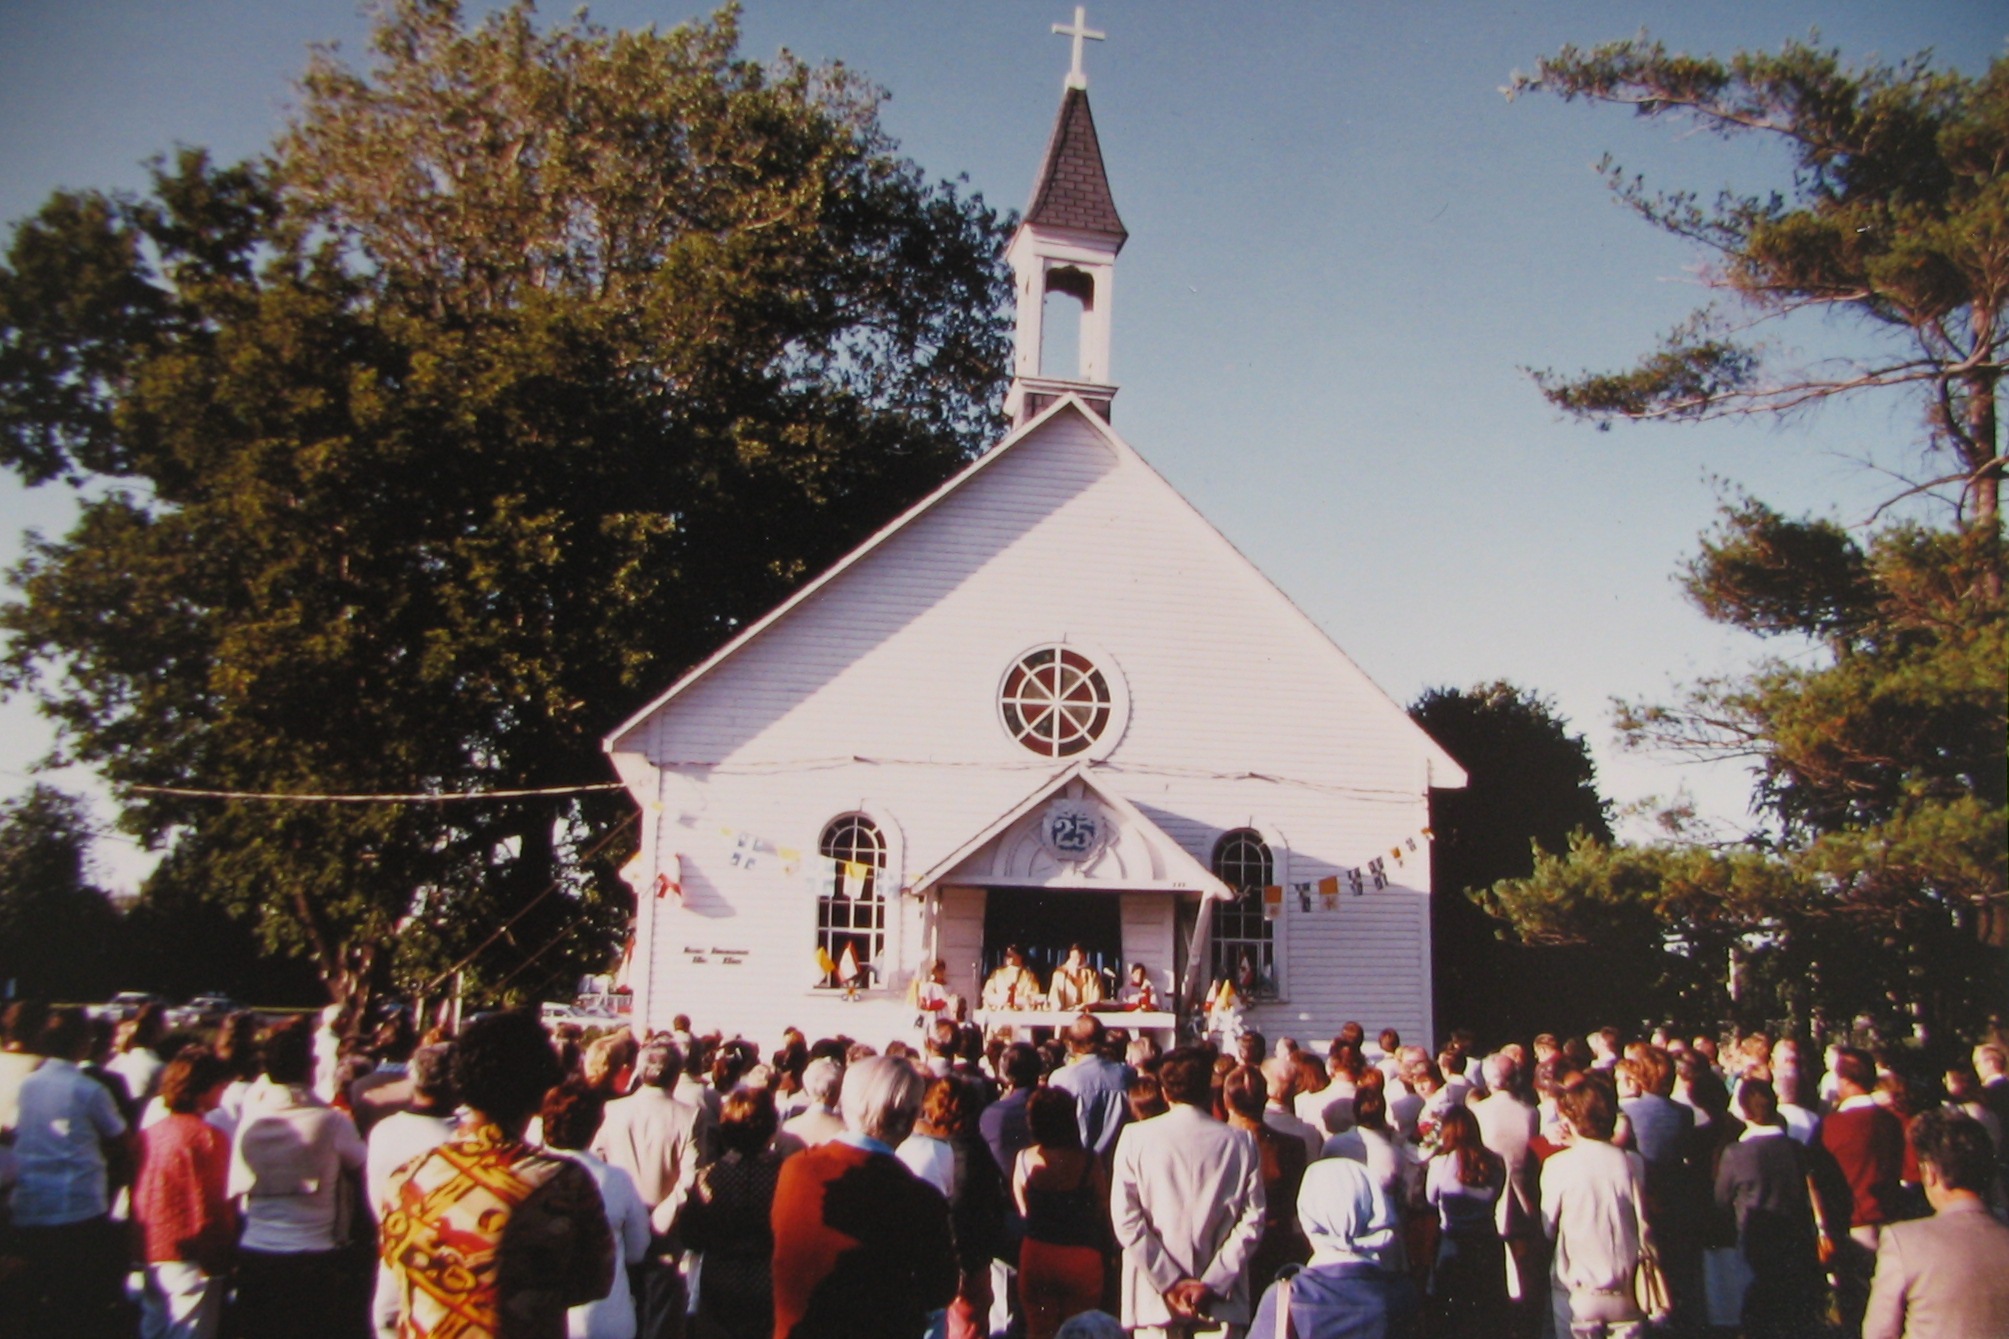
(1075, 985)
(1187, 1204)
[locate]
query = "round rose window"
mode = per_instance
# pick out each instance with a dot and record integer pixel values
(1056, 702)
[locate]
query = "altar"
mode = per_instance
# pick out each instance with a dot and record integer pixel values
(1157, 1024)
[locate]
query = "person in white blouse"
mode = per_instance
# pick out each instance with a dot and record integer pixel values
(571, 1116)
(287, 1165)
(137, 1062)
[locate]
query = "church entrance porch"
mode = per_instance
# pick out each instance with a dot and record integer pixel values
(975, 925)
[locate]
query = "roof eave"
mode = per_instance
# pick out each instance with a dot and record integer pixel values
(611, 742)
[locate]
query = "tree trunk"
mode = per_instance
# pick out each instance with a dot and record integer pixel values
(1984, 458)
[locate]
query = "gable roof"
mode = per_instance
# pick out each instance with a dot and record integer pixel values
(1182, 871)
(1444, 771)
(1072, 190)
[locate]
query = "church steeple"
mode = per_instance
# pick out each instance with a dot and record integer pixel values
(1066, 246)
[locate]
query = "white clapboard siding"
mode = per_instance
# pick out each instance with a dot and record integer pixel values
(875, 692)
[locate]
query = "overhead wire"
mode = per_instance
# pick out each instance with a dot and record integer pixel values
(524, 910)
(372, 797)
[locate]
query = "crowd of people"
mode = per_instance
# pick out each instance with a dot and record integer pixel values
(515, 1180)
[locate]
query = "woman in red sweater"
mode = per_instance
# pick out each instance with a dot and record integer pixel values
(862, 1246)
(188, 1230)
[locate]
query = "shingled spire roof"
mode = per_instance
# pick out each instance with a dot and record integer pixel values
(1073, 189)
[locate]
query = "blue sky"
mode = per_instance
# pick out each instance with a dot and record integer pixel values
(1345, 247)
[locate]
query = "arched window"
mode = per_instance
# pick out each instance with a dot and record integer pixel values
(1240, 932)
(850, 914)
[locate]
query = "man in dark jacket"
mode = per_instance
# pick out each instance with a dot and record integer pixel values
(1761, 1182)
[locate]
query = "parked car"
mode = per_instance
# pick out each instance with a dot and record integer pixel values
(203, 1011)
(124, 1005)
(556, 1013)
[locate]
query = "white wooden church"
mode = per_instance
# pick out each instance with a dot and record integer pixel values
(1027, 713)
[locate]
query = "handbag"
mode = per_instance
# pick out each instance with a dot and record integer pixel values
(1649, 1287)
(1649, 1281)
(1285, 1328)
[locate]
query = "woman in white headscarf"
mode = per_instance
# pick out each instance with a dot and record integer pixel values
(1355, 1286)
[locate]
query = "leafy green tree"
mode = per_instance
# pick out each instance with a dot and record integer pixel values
(57, 931)
(1894, 227)
(1531, 784)
(529, 365)
(1872, 888)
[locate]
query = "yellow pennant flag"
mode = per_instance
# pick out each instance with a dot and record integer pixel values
(823, 962)
(1273, 901)
(854, 878)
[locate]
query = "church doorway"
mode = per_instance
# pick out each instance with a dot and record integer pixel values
(1043, 924)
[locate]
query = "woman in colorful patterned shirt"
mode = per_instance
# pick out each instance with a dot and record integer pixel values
(487, 1235)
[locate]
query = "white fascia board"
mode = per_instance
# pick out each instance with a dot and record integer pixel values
(612, 741)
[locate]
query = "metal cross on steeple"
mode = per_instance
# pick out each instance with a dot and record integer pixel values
(1077, 77)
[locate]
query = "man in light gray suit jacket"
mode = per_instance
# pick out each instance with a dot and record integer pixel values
(1947, 1276)
(655, 1139)
(1187, 1203)
(1507, 1125)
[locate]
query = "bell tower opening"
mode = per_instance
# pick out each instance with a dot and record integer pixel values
(1068, 305)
